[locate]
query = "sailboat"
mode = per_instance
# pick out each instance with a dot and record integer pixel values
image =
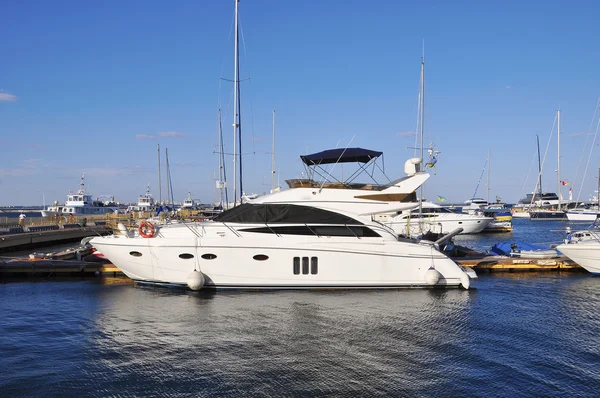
(547, 208)
(501, 216)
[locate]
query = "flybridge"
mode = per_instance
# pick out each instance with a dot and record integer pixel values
(366, 160)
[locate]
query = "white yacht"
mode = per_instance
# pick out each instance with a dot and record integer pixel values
(80, 203)
(309, 236)
(474, 205)
(583, 247)
(431, 215)
(588, 214)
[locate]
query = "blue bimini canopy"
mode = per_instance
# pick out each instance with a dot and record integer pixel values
(341, 155)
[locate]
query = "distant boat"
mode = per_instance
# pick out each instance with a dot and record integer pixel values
(588, 212)
(80, 204)
(145, 203)
(431, 215)
(522, 249)
(189, 203)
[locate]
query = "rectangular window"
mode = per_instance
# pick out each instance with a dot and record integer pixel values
(305, 265)
(314, 265)
(296, 265)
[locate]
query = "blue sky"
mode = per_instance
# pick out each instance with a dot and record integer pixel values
(93, 87)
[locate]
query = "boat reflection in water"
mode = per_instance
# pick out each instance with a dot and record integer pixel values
(315, 343)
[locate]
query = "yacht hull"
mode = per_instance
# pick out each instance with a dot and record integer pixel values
(276, 262)
(587, 255)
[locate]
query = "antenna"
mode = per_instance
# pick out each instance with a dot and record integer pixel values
(273, 157)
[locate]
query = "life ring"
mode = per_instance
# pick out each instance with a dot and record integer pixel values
(146, 229)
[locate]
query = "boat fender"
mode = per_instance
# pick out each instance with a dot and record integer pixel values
(432, 276)
(195, 280)
(146, 229)
(465, 281)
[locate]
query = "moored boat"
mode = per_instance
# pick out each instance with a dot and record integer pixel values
(80, 203)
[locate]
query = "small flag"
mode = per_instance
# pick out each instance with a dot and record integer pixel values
(564, 183)
(441, 199)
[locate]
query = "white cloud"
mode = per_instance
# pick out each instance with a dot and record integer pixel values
(406, 134)
(144, 137)
(7, 97)
(507, 87)
(171, 134)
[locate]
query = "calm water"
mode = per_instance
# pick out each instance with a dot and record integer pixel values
(527, 335)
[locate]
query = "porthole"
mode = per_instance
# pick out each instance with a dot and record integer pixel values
(135, 254)
(261, 257)
(209, 256)
(186, 256)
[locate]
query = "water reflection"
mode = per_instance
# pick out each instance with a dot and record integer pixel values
(313, 342)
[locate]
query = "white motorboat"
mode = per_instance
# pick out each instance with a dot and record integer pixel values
(80, 203)
(279, 246)
(583, 214)
(583, 247)
(325, 235)
(430, 214)
(474, 205)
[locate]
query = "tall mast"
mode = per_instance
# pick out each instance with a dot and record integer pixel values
(558, 167)
(159, 185)
(422, 122)
(273, 157)
(222, 172)
(539, 169)
(488, 183)
(236, 117)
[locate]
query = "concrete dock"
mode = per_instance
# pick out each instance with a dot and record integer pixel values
(36, 237)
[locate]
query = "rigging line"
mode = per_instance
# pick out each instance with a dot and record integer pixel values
(533, 158)
(249, 89)
(335, 164)
(418, 126)
(584, 147)
(589, 157)
(544, 160)
(480, 177)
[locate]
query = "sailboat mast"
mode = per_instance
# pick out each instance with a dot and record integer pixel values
(558, 166)
(422, 123)
(539, 168)
(488, 182)
(273, 156)
(159, 185)
(235, 103)
(222, 171)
